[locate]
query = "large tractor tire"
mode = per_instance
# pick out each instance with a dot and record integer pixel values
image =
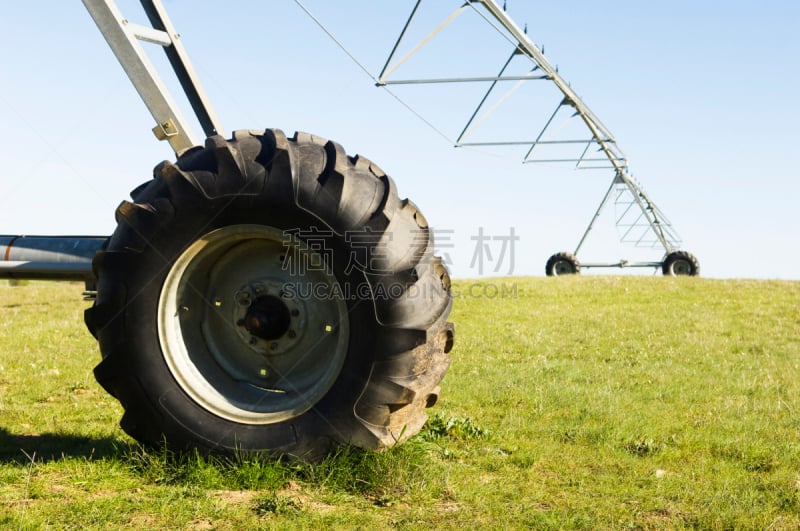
(265, 294)
(680, 263)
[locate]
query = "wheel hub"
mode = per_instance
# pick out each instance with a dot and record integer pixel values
(681, 267)
(267, 318)
(563, 267)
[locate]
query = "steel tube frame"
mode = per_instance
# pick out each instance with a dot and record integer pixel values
(601, 135)
(187, 77)
(123, 38)
(461, 80)
(600, 132)
(622, 264)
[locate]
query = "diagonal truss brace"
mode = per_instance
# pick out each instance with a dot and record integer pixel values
(650, 216)
(124, 39)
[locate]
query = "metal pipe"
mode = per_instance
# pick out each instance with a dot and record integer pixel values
(47, 271)
(461, 80)
(622, 264)
(49, 257)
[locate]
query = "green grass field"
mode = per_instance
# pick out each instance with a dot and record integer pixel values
(571, 403)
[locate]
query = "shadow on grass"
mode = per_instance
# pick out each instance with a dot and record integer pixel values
(54, 446)
(380, 477)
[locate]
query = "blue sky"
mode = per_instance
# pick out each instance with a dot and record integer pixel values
(701, 96)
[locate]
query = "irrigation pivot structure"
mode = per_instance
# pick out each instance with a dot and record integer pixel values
(641, 222)
(261, 293)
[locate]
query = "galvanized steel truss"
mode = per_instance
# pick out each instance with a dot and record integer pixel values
(640, 221)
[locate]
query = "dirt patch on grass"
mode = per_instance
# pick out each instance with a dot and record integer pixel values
(293, 494)
(234, 497)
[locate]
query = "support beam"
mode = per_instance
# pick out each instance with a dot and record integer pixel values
(49, 257)
(123, 38)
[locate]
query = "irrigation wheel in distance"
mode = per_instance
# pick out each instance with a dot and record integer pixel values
(562, 264)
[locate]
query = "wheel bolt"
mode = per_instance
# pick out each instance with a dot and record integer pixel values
(243, 298)
(292, 334)
(295, 312)
(274, 346)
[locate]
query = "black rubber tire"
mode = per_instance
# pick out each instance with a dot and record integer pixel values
(397, 348)
(680, 263)
(562, 264)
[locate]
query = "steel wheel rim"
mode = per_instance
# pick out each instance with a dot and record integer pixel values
(239, 337)
(563, 267)
(681, 267)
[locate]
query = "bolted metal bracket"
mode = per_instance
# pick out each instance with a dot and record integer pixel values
(165, 130)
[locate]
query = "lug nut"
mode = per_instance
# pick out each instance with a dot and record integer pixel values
(243, 298)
